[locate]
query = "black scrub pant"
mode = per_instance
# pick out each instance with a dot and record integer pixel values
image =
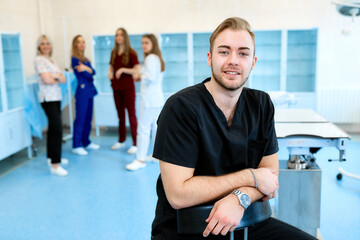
(270, 229)
(54, 135)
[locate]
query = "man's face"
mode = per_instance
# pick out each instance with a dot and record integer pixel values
(232, 58)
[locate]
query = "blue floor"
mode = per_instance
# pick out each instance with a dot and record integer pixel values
(99, 199)
(340, 200)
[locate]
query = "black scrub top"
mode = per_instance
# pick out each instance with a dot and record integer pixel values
(193, 132)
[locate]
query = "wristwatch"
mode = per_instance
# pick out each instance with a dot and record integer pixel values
(244, 199)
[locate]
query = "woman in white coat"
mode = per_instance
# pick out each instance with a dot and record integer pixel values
(152, 98)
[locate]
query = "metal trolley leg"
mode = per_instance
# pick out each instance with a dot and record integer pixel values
(245, 234)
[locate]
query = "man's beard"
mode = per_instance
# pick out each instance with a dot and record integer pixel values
(217, 78)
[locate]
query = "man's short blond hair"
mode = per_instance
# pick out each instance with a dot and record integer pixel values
(233, 23)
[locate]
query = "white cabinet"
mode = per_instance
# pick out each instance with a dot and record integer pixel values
(15, 133)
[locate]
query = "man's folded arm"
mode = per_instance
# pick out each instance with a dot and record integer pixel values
(183, 189)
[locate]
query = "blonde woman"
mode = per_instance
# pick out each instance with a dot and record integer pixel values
(152, 98)
(123, 57)
(49, 76)
(84, 95)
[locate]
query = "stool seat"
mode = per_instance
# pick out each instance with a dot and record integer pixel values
(192, 220)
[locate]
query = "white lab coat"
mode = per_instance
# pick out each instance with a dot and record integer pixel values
(152, 100)
(151, 82)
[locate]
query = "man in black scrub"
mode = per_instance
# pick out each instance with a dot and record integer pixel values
(216, 144)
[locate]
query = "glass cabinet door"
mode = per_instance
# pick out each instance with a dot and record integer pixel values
(175, 52)
(301, 60)
(1, 107)
(201, 48)
(102, 51)
(13, 70)
(266, 73)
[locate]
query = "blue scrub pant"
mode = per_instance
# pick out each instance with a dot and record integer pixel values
(82, 123)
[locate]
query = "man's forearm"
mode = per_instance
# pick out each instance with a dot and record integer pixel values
(201, 189)
(253, 193)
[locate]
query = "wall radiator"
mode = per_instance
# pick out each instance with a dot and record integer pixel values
(340, 105)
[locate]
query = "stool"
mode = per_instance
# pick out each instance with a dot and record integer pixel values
(192, 220)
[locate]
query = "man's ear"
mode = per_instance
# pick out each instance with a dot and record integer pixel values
(254, 62)
(209, 59)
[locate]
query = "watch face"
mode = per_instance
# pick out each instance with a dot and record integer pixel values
(245, 200)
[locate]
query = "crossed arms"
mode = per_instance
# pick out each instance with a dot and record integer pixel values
(52, 78)
(131, 71)
(183, 189)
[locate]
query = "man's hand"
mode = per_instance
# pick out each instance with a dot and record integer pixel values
(268, 182)
(225, 216)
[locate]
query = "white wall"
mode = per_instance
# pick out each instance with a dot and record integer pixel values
(338, 54)
(22, 16)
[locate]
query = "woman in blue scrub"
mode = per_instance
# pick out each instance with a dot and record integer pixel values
(84, 97)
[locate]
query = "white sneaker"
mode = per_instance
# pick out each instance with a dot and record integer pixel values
(63, 161)
(93, 146)
(80, 151)
(135, 165)
(151, 159)
(117, 145)
(132, 149)
(59, 171)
